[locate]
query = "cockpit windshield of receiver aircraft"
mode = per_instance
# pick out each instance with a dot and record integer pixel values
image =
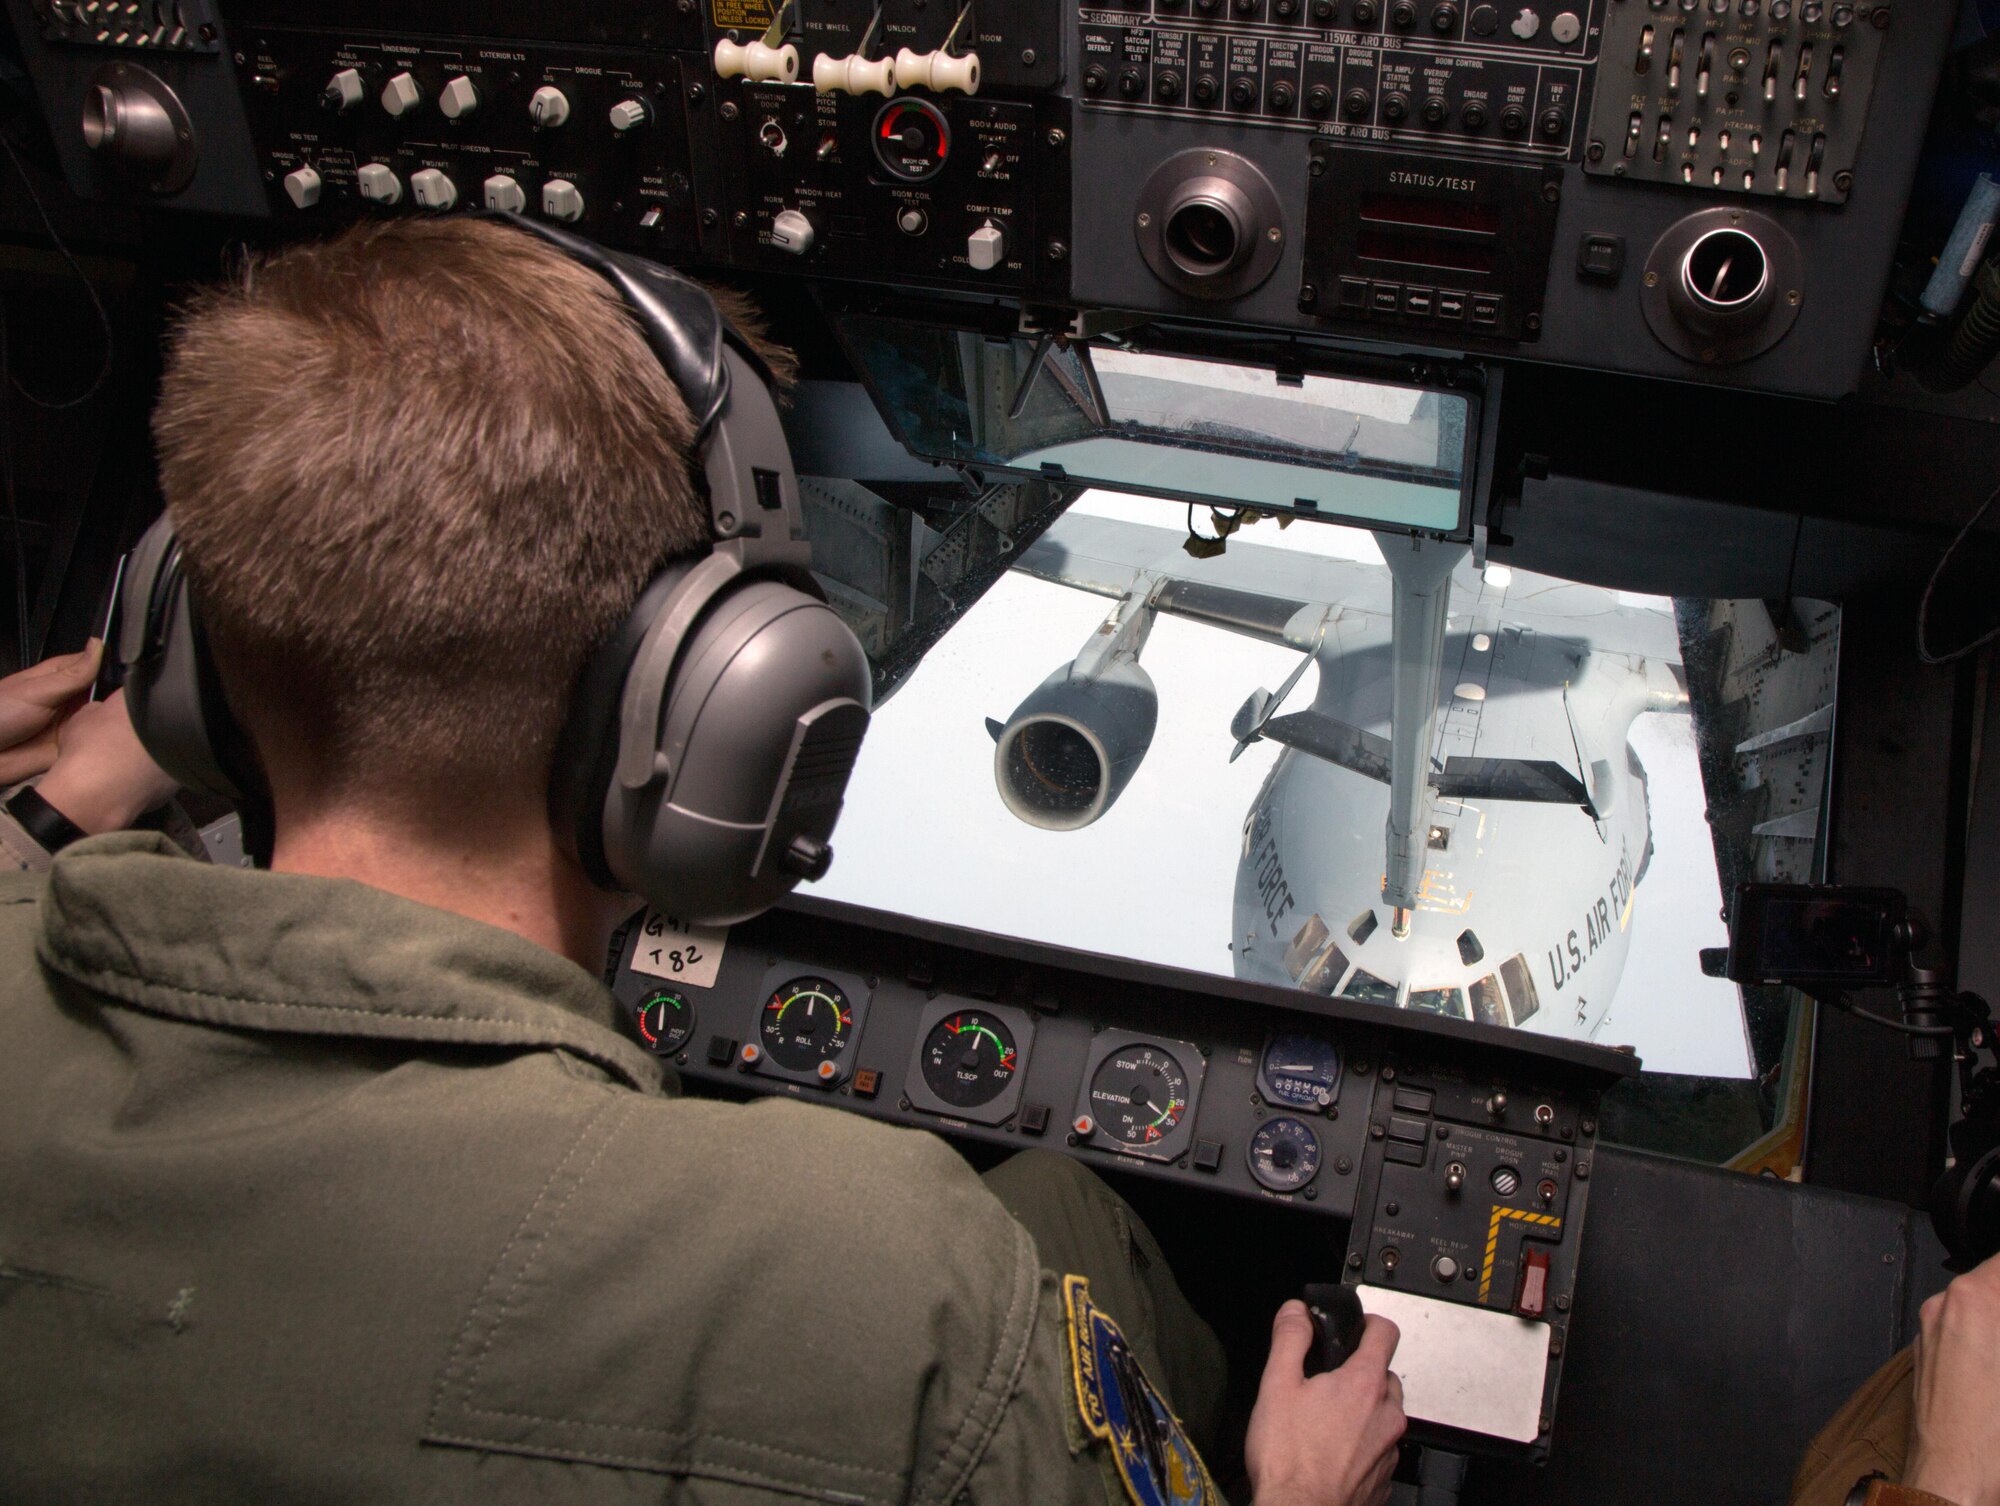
(1237, 738)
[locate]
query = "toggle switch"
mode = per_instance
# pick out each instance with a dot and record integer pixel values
(458, 98)
(548, 107)
(379, 184)
(854, 75)
(562, 200)
(432, 189)
(939, 72)
(1532, 1298)
(502, 192)
(757, 61)
(302, 187)
(401, 95)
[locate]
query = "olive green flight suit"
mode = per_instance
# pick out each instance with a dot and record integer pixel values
(312, 1194)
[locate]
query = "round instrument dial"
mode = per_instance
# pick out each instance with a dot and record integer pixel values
(806, 1022)
(666, 1020)
(1284, 1154)
(1301, 1071)
(969, 1059)
(1138, 1094)
(912, 139)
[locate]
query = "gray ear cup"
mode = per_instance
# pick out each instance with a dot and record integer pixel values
(735, 754)
(171, 690)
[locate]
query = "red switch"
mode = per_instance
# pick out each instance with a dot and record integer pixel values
(1534, 1294)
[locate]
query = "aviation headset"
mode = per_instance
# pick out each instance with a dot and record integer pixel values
(708, 742)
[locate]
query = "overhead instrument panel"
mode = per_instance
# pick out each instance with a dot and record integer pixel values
(1698, 189)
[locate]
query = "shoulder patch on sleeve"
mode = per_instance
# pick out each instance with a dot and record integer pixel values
(1119, 1407)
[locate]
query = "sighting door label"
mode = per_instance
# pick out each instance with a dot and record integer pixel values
(681, 953)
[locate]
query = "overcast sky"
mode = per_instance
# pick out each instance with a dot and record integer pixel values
(925, 833)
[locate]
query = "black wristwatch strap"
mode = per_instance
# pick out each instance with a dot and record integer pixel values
(42, 821)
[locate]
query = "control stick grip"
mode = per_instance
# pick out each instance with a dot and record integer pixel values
(1337, 1321)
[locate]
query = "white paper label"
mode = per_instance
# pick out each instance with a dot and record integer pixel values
(667, 948)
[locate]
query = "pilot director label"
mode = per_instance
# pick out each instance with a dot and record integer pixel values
(1605, 918)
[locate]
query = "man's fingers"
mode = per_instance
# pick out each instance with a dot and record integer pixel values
(54, 681)
(1378, 1342)
(26, 760)
(1291, 1342)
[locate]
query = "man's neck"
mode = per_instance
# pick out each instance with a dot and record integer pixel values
(510, 874)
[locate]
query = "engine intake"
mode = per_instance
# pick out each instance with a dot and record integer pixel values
(1070, 748)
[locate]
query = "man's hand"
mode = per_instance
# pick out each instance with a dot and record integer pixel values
(103, 778)
(1955, 1416)
(1329, 1440)
(34, 703)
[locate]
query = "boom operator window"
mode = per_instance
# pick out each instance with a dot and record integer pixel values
(1611, 764)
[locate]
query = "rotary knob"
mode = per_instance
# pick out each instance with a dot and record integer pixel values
(378, 183)
(401, 95)
(562, 200)
(548, 107)
(791, 231)
(458, 98)
(342, 92)
(502, 192)
(302, 187)
(629, 115)
(432, 189)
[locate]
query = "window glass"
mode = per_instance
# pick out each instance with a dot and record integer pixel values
(1369, 989)
(1446, 1001)
(1165, 425)
(1488, 1006)
(1520, 989)
(1608, 768)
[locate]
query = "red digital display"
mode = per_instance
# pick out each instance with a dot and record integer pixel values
(1430, 214)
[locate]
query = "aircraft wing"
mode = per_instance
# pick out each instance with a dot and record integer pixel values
(1252, 589)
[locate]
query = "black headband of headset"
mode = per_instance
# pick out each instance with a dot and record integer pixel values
(677, 316)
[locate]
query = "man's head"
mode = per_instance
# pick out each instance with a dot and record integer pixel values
(418, 472)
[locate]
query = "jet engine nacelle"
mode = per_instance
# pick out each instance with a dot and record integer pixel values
(1072, 746)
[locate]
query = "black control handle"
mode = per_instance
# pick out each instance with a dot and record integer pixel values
(1337, 1321)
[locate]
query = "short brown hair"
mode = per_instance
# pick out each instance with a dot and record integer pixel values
(419, 470)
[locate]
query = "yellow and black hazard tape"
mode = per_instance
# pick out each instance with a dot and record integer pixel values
(1500, 1216)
